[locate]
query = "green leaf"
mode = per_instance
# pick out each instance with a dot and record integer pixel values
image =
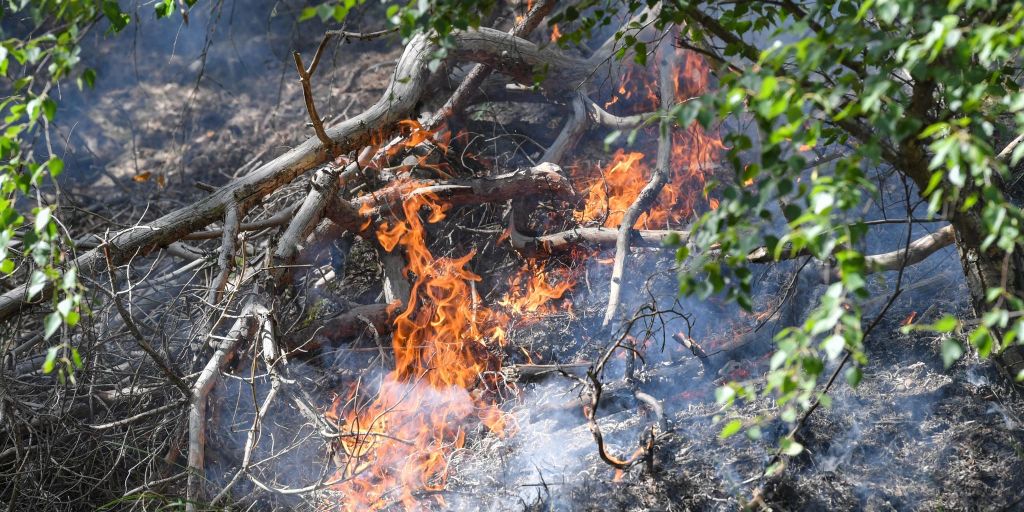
(42, 219)
(725, 395)
(834, 346)
(118, 18)
(36, 283)
(945, 324)
(951, 352)
(754, 433)
(49, 109)
(730, 429)
(51, 323)
(791, 447)
(309, 13)
(56, 166)
(88, 77)
(33, 108)
(51, 359)
(854, 376)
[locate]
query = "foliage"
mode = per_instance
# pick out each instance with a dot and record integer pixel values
(41, 51)
(923, 88)
(415, 16)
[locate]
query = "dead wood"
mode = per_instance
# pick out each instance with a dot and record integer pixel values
(598, 237)
(544, 179)
(574, 128)
(323, 187)
(501, 50)
(396, 285)
(278, 219)
(245, 328)
(916, 252)
(349, 324)
(476, 77)
(659, 177)
(226, 259)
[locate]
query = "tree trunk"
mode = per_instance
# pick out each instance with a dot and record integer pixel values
(989, 269)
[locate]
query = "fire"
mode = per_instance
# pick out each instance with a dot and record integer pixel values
(555, 33)
(397, 438)
(909, 319)
(399, 444)
(612, 189)
(531, 290)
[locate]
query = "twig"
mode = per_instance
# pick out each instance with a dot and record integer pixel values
(139, 338)
(361, 36)
(142, 415)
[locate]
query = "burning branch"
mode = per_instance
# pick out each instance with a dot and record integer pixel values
(659, 178)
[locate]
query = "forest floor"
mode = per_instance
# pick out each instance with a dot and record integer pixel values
(913, 435)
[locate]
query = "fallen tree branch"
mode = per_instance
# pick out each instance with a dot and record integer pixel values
(659, 177)
(544, 179)
(460, 98)
(245, 327)
(346, 325)
(571, 133)
(323, 186)
(914, 253)
(226, 259)
(585, 237)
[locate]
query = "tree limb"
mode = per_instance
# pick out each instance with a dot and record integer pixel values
(659, 177)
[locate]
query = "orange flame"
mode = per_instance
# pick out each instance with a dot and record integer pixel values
(400, 443)
(612, 189)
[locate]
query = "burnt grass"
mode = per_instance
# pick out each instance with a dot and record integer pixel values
(912, 436)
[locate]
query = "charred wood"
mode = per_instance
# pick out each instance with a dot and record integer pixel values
(349, 324)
